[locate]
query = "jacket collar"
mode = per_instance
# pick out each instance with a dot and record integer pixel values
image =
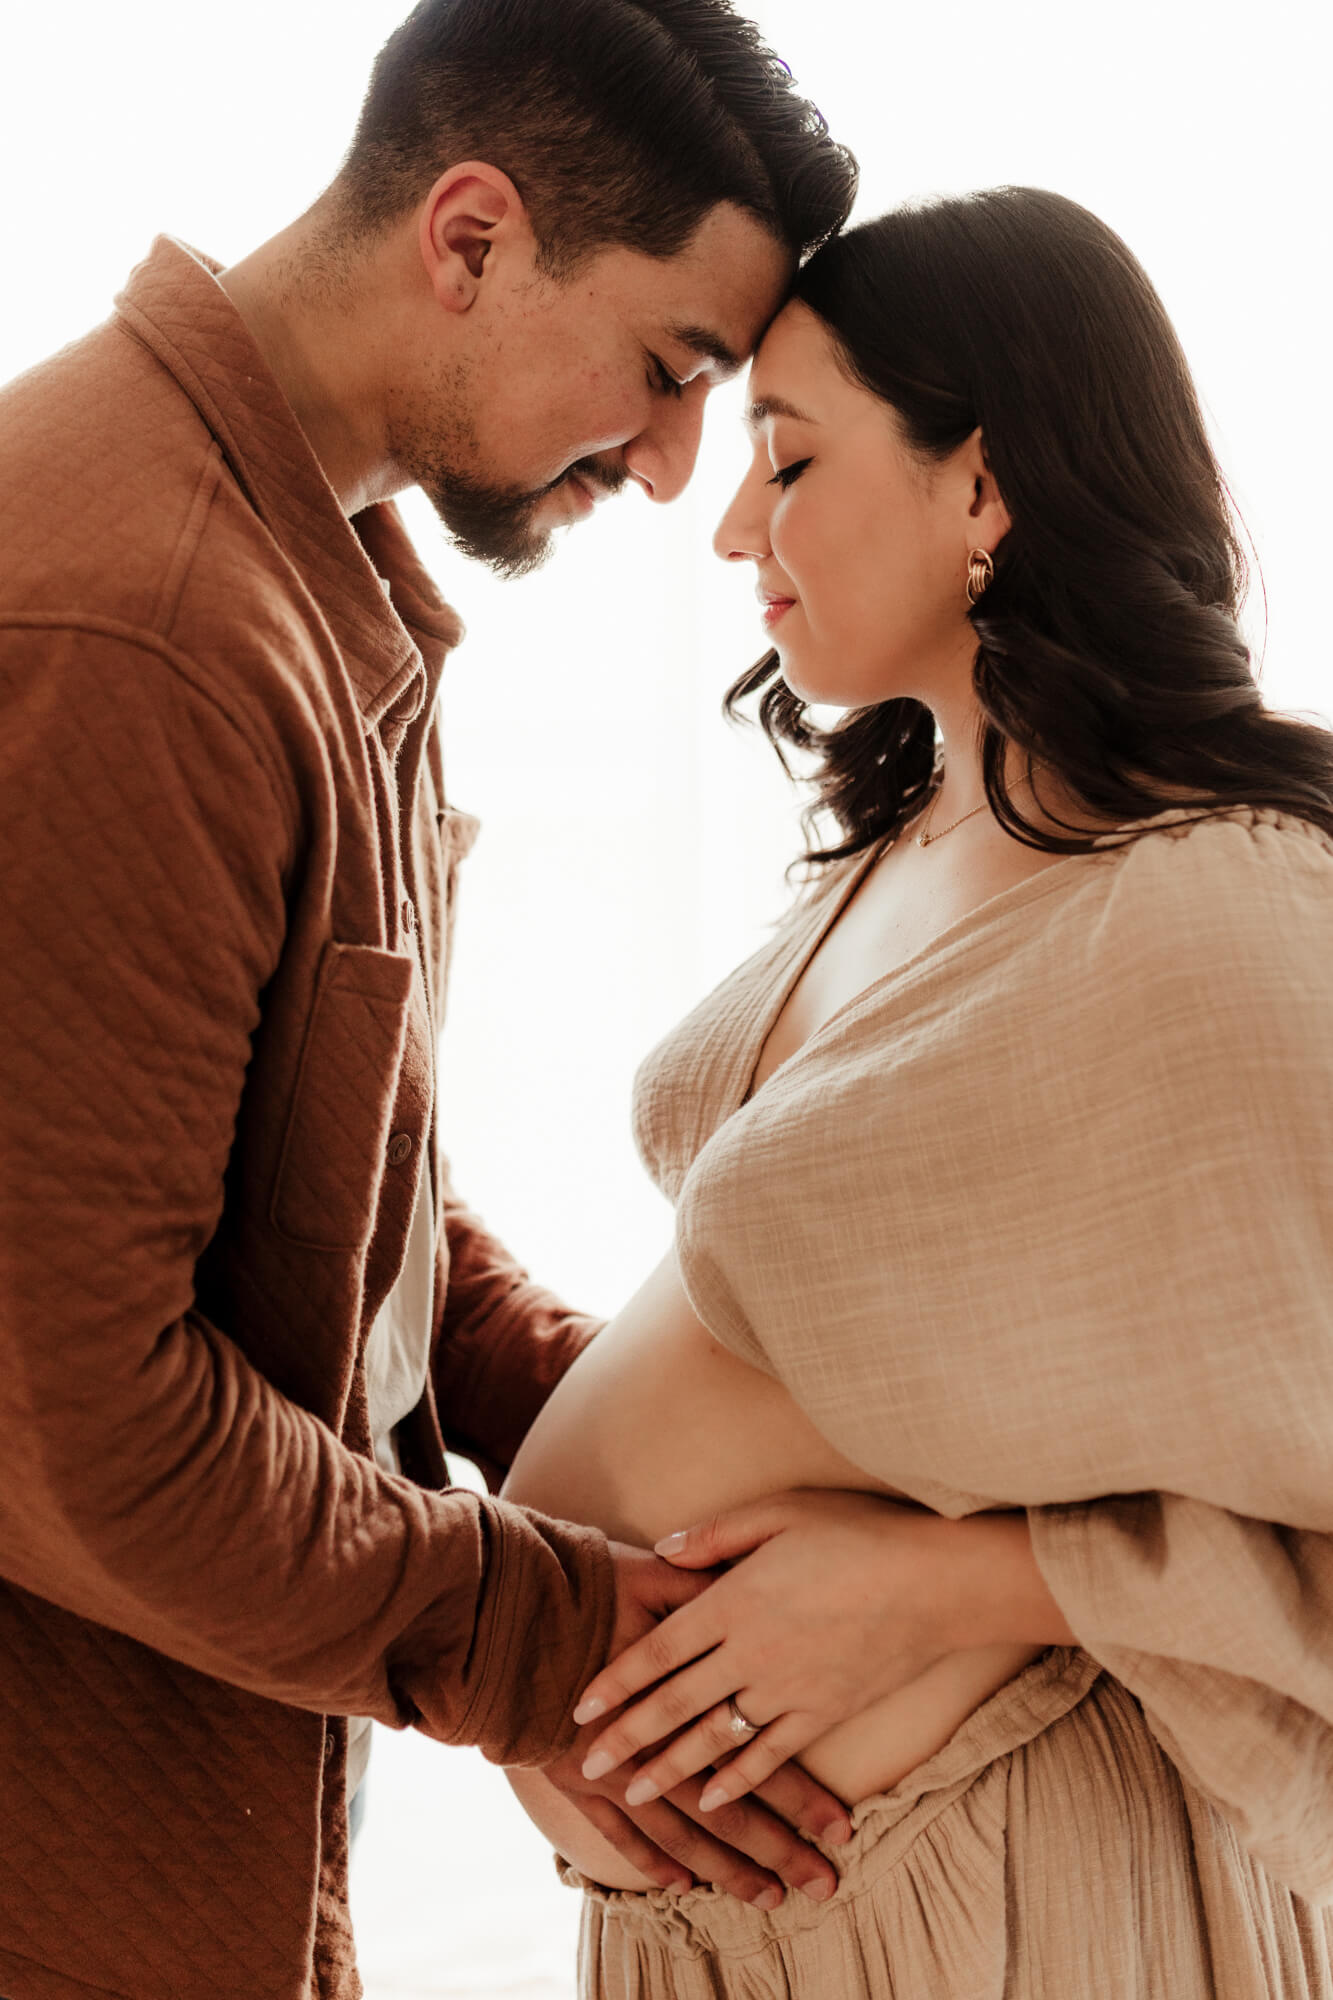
(393, 642)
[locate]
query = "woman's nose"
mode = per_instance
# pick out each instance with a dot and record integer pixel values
(741, 533)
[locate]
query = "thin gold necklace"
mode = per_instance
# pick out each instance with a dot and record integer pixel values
(926, 838)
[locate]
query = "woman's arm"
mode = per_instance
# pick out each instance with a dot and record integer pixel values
(834, 1600)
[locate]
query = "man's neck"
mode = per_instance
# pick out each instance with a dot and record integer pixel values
(310, 326)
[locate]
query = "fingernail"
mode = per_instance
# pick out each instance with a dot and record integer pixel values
(681, 1885)
(597, 1766)
(589, 1709)
(818, 1892)
(639, 1793)
(712, 1796)
(768, 1899)
(671, 1545)
(839, 1833)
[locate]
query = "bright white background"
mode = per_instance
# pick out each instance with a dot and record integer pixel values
(633, 847)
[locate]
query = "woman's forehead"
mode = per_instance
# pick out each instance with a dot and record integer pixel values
(792, 358)
(799, 374)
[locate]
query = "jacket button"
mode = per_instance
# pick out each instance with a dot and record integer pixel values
(330, 1745)
(399, 1147)
(409, 916)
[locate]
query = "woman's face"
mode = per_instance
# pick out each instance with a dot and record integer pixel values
(860, 546)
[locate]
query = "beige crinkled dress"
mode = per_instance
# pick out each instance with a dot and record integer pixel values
(1044, 1218)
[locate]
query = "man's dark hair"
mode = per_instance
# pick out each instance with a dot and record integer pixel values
(620, 122)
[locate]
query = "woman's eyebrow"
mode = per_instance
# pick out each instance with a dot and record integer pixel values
(774, 406)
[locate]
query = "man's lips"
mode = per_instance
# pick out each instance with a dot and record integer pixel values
(594, 491)
(582, 494)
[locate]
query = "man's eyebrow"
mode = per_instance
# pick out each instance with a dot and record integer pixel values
(774, 406)
(703, 340)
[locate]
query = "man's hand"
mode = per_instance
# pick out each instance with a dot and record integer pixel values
(648, 1590)
(750, 1849)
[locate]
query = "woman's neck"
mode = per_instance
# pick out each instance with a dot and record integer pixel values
(1037, 790)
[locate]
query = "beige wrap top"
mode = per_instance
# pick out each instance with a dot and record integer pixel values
(1044, 1219)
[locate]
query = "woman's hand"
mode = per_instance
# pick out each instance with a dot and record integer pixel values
(754, 1852)
(837, 1600)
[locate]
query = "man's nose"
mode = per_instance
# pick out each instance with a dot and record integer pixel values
(661, 458)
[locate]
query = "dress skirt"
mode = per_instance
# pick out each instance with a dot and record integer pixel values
(1050, 1851)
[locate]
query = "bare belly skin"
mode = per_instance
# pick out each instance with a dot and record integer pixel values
(656, 1426)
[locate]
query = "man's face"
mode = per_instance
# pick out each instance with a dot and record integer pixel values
(568, 388)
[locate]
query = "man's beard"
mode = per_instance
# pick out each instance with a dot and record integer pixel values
(492, 524)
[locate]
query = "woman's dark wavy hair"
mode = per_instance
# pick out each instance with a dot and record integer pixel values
(1107, 644)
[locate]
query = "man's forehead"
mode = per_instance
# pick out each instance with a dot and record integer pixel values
(729, 281)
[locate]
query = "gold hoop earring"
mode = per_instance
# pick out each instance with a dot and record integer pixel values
(980, 574)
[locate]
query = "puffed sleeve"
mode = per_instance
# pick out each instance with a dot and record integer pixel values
(1222, 1626)
(1211, 1598)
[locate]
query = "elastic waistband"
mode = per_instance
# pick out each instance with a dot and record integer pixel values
(884, 1826)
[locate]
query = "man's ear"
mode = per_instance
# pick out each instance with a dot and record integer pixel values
(472, 213)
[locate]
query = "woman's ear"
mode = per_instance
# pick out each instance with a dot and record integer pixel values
(472, 213)
(988, 517)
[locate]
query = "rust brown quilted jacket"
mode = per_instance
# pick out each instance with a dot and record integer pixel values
(223, 835)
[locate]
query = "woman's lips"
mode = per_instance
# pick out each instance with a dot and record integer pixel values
(775, 608)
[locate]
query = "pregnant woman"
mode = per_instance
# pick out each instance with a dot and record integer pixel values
(1004, 1194)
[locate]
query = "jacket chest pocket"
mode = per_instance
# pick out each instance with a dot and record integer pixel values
(332, 1159)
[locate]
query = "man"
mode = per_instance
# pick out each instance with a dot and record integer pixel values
(242, 1308)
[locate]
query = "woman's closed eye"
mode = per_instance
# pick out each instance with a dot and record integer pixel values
(787, 475)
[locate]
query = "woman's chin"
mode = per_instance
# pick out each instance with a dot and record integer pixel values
(819, 690)
(833, 684)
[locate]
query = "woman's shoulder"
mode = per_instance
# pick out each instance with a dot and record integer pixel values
(1236, 902)
(1262, 830)
(1236, 862)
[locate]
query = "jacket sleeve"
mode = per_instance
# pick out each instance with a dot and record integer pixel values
(155, 1481)
(501, 1343)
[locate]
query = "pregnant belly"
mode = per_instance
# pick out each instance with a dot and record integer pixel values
(657, 1426)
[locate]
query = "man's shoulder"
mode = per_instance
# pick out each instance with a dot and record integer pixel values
(119, 509)
(101, 460)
